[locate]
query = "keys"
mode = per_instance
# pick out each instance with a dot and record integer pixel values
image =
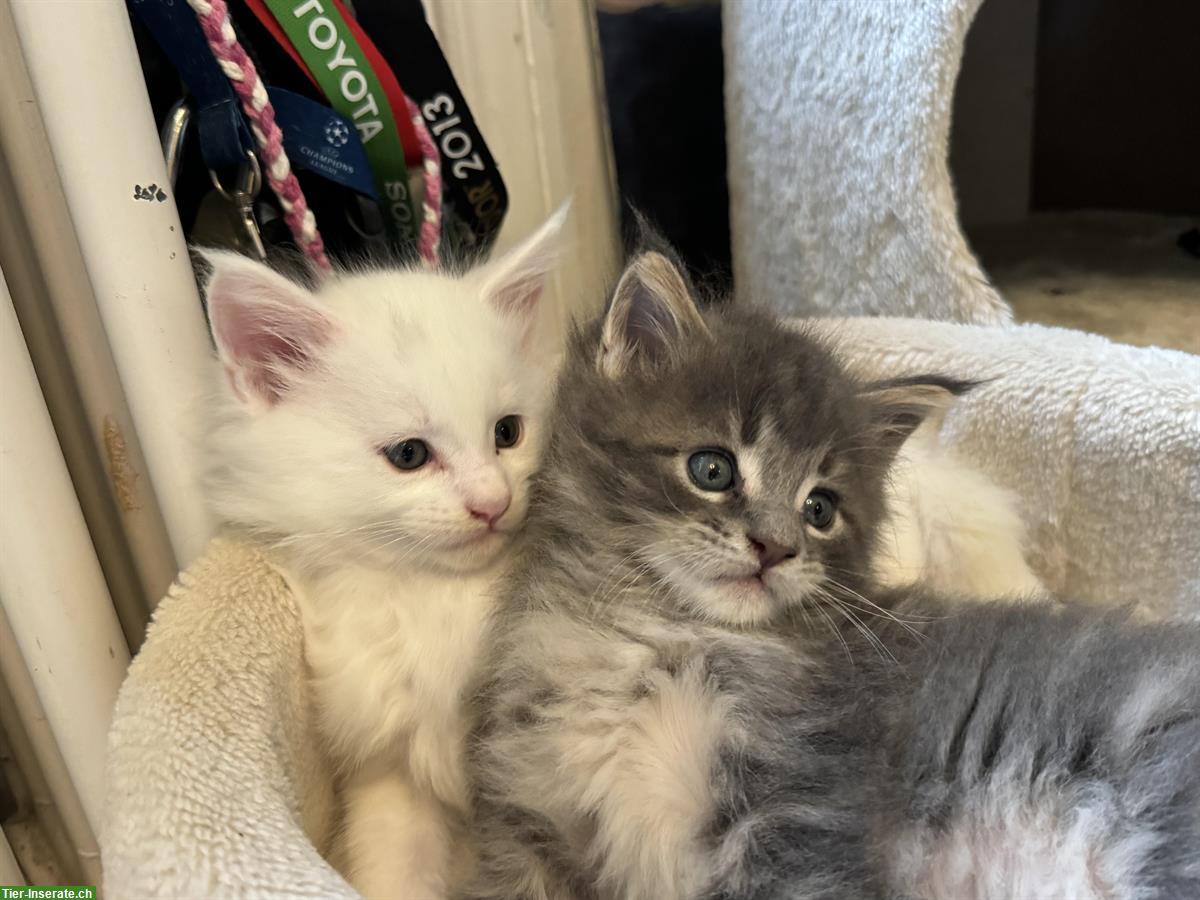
(226, 217)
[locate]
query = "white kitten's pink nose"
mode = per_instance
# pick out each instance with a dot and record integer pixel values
(490, 509)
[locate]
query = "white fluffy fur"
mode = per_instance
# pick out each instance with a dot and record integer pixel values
(1008, 845)
(950, 527)
(391, 568)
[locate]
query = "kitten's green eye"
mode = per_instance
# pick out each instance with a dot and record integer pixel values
(410, 453)
(819, 509)
(508, 432)
(712, 470)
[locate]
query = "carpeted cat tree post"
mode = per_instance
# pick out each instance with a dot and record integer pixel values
(838, 118)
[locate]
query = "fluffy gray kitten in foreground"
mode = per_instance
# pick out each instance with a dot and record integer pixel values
(695, 692)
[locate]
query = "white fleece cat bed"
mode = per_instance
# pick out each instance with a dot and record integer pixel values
(215, 785)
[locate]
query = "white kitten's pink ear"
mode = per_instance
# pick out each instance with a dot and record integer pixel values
(268, 329)
(515, 282)
(651, 315)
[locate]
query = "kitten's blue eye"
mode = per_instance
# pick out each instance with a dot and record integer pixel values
(508, 432)
(712, 470)
(819, 509)
(409, 453)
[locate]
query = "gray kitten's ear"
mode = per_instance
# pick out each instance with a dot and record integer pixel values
(652, 312)
(267, 329)
(901, 405)
(514, 283)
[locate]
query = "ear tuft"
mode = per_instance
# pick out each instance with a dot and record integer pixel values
(267, 329)
(651, 313)
(903, 404)
(515, 282)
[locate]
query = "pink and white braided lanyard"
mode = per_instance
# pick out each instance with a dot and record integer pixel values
(243, 76)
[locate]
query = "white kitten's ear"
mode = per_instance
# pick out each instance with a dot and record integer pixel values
(901, 405)
(268, 329)
(515, 282)
(651, 314)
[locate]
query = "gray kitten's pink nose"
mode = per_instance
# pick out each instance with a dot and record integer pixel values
(490, 510)
(770, 553)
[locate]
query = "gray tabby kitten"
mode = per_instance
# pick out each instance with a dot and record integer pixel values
(679, 707)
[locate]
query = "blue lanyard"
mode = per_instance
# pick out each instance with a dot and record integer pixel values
(315, 137)
(224, 137)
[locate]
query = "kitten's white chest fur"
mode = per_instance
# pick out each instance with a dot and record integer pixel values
(390, 656)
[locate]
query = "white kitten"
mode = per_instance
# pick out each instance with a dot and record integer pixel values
(950, 527)
(376, 436)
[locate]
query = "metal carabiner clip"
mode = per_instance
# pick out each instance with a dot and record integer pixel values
(243, 196)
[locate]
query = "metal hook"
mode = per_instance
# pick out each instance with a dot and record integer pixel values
(243, 196)
(249, 181)
(172, 137)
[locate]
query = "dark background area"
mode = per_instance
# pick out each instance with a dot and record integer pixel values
(1117, 106)
(664, 79)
